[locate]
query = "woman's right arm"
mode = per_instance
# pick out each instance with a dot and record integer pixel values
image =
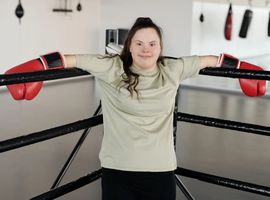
(102, 67)
(70, 61)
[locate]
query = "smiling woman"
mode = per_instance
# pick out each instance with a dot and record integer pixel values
(137, 152)
(145, 49)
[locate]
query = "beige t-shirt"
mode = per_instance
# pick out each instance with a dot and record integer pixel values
(138, 134)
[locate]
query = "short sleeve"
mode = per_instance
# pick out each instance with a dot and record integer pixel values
(179, 69)
(105, 68)
(191, 67)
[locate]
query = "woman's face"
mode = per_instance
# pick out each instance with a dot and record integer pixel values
(145, 48)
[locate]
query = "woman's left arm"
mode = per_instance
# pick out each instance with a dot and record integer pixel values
(208, 61)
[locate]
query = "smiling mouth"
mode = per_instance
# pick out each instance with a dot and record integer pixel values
(142, 56)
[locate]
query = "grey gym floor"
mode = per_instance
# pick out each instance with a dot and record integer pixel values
(31, 170)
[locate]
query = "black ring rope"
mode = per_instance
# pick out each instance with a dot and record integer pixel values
(226, 124)
(74, 152)
(69, 187)
(32, 138)
(179, 183)
(25, 140)
(240, 185)
(52, 74)
(227, 182)
(235, 73)
(8, 79)
(183, 188)
(83, 124)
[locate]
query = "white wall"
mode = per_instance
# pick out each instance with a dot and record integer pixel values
(42, 31)
(173, 16)
(208, 37)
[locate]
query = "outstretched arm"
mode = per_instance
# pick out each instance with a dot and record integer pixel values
(208, 61)
(70, 61)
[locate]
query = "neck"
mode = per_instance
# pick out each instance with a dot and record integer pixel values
(148, 69)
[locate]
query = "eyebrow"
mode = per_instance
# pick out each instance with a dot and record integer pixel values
(149, 42)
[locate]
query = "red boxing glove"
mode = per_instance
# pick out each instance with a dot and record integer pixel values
(30, 90)
(250, 87)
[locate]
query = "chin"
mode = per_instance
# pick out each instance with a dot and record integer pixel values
(146, 65)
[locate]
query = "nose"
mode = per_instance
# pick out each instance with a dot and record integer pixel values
(145, 48)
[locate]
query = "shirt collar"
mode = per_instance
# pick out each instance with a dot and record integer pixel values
(145, 72)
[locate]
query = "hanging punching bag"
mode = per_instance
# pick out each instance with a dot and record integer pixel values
(19, 11)
(79, 7)
(228, 24)
(268, 33)
(245, 23)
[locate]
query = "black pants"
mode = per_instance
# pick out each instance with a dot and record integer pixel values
(125, 185)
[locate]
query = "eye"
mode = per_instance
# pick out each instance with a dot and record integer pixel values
(152, 44)
(139, 44)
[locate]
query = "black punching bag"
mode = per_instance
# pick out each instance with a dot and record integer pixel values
(268, 33)
(245, 23)
(19, 11)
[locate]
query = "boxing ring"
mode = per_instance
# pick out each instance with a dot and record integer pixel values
(96, 120)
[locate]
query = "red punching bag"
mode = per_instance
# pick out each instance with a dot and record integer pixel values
(228, 24)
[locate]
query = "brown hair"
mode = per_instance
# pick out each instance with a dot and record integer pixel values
(130, 78)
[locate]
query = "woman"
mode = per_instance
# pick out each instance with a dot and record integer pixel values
(138, 91)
